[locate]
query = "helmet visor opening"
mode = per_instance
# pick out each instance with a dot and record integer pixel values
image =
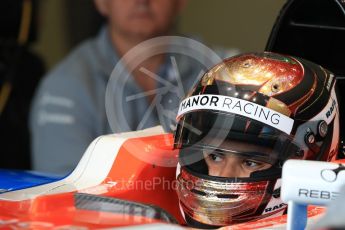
(209, 138)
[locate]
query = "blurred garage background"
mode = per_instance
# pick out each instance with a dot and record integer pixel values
(243, 24)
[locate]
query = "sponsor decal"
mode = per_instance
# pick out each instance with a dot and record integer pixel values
(329, 82)
(317, 194)
(275, 207)
(331, 109)
(237, 106)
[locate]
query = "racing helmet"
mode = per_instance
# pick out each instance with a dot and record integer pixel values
(238, 125)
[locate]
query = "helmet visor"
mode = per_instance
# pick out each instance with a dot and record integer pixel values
(215, 136)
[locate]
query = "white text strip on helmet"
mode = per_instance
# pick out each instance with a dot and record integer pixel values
(237, 106)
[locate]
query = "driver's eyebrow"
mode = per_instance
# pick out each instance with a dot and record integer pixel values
(242, 153)
(252, 155)
(258, 156)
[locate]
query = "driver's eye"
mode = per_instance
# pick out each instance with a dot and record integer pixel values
(250, 164)
(216, 157)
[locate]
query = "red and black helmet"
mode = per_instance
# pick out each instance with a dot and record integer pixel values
(281, 107)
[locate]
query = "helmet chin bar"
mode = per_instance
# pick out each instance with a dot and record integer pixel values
(215, 202)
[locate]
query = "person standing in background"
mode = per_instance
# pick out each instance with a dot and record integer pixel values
(69, 108)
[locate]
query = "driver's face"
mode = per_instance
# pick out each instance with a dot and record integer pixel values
(232, 165)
